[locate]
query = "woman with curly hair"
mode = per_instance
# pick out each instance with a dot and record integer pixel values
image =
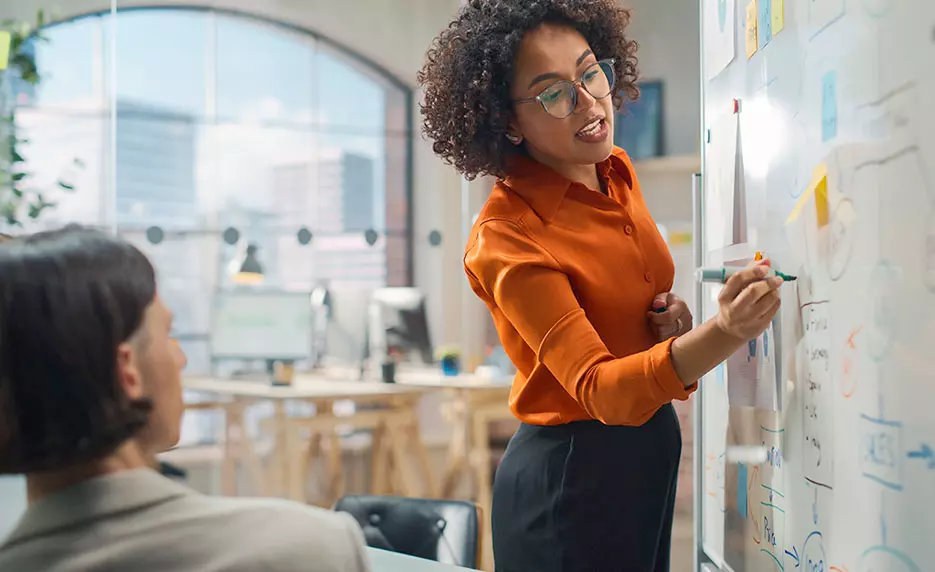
(572, 267)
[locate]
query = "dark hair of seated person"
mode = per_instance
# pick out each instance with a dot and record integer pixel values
(68, 299)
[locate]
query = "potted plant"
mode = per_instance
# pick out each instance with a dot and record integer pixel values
(20, 200)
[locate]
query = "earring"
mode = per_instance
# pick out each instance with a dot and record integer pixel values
(514, 139)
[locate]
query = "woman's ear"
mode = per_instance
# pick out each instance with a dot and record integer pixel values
(513, 135)
(128, 372)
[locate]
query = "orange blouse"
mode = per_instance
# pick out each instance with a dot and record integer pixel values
(569, 274)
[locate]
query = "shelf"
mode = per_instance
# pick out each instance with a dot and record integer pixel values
(670, 164)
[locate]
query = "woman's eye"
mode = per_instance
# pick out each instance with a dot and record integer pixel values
(590, 75)
(551, 96)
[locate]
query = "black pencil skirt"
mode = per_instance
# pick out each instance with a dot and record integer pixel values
(587, 497)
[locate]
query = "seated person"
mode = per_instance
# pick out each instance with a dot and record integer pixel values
(90, 392)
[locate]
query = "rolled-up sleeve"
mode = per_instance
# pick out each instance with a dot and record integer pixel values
(529, 287)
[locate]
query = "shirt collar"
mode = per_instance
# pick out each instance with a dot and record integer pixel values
(543, 189)
(94, 499)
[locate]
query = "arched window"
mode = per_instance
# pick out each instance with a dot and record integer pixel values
(188, 123)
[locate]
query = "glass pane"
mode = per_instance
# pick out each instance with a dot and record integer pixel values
(264, 72)
(161, 59)
(63, 147)
(69, 58)
(156, 163)
(350, 100)
(264, 181)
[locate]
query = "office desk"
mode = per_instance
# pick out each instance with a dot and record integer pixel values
(384, 561)
(394, 422)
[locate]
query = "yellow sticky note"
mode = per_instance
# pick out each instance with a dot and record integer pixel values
(5, 39)
(817, 188)
(779, 16)
(751, 28)
(821, 201)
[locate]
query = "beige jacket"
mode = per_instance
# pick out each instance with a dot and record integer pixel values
(139, 521)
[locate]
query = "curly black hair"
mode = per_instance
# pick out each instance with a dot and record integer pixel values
(469, 68)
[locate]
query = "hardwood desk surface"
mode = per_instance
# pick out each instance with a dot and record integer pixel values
(304, 387)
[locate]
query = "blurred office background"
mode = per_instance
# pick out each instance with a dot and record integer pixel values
(283, 137)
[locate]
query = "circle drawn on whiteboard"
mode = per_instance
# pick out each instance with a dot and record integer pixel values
(841, 238)
(884, 309)
(435, 238)
(928, 275)
(885, 558)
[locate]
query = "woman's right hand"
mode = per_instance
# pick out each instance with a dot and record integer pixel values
(748, 302)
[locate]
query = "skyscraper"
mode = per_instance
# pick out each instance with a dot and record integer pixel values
(155, 166)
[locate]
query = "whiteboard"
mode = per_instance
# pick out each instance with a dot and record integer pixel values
(828, 168)
(261, 324)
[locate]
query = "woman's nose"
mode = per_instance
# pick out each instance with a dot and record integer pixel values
(585, 99)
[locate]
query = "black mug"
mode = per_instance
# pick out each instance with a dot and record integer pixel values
(388, 370)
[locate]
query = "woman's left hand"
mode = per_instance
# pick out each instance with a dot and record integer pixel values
(673, 321)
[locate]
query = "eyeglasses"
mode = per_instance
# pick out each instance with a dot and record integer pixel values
(561, 98)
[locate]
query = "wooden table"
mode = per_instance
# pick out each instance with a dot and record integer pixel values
(393, 421)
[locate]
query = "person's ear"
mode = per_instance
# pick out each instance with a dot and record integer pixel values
(128, 372)
(513, 134)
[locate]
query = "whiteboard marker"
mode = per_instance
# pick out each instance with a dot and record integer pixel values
(722, 274)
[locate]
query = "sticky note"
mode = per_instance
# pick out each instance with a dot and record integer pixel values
(817, 188)
(821, 201)
(751, 28)
(779, 16)
(829, 106)
(764, 25)
(742, 489)
(5, 40)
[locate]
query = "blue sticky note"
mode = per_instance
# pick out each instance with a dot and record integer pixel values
(742, 489)
(829, 106)
(764, 24)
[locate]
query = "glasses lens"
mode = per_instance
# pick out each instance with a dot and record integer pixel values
(558, 99)
(599, 79)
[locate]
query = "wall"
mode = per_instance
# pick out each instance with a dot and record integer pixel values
(668, 34)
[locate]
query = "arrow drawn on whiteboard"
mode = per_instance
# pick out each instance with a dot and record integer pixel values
(926, 454)
(795, 555)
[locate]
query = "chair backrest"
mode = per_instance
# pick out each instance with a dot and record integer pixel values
(441, 530)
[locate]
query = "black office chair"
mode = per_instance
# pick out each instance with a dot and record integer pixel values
(441, 530)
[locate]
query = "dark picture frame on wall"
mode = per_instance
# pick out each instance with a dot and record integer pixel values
(638, 126)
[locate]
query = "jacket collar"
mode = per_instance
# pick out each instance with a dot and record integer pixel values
(95, 499)
(544, 189)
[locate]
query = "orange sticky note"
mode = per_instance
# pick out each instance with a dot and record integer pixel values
(751, 28)
(5, 41)
(758, 255)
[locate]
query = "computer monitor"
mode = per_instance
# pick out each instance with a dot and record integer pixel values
(397, 319)
(261, 324)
